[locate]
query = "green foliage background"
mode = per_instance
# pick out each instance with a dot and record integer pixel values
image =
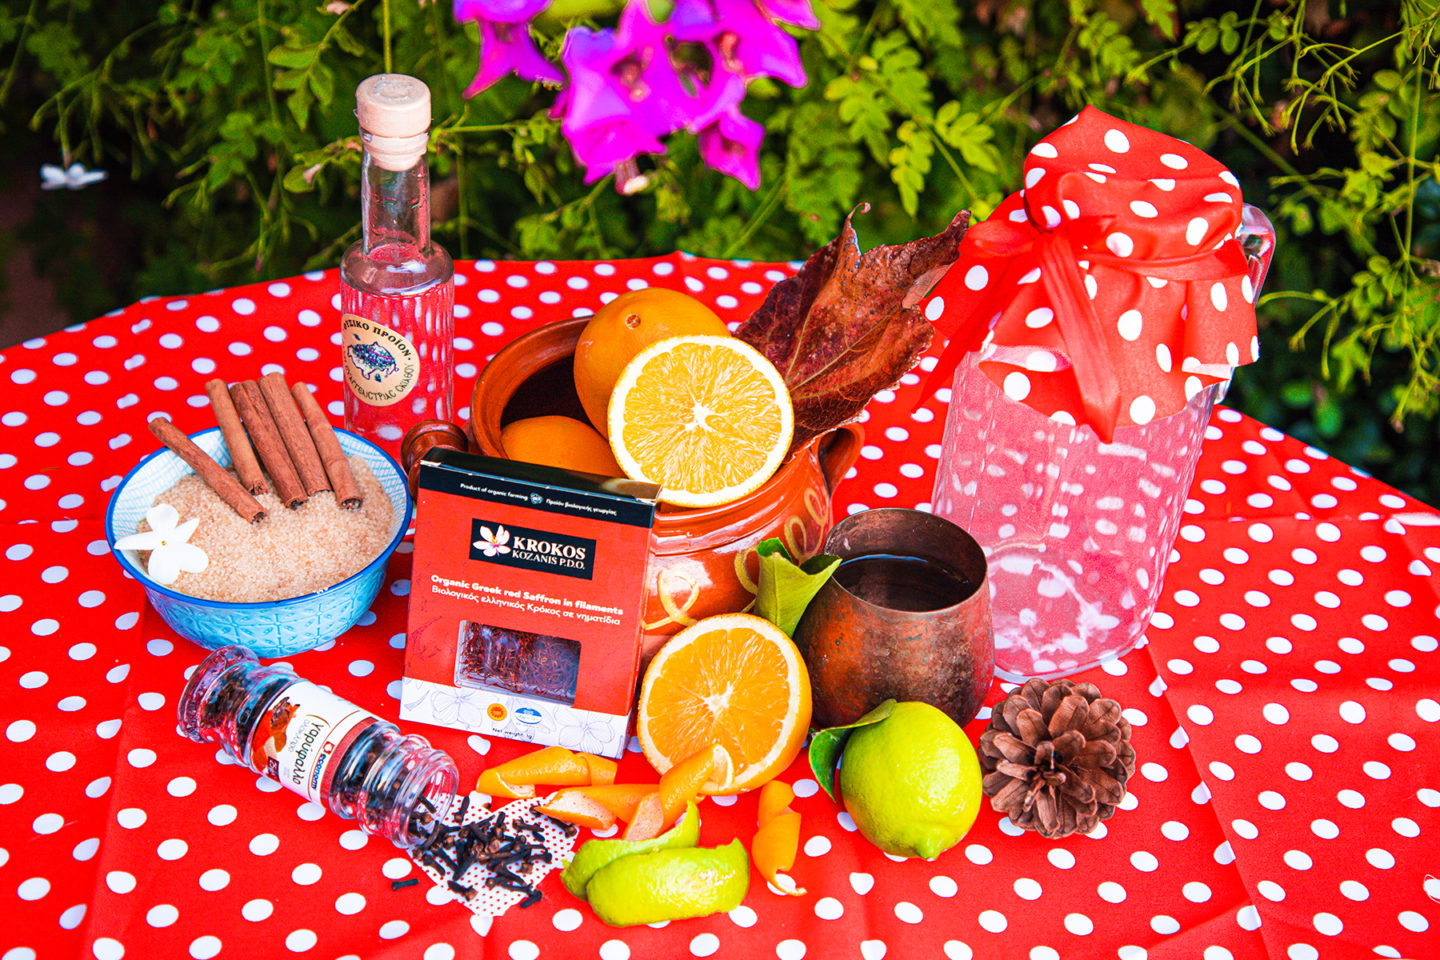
(228, 129)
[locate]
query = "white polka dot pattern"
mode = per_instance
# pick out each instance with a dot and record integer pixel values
(1186, 326)
(171, 852)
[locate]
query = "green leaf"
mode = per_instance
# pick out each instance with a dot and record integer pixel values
(1161, 14)
(1296, 394)
(295, 180)
(1329, 418)
(289, 79)
(1388, 80)
(299, 104)
(972, 138)
(786, 589)
(347, 41)
(910, 164)
(57, 49)
(937, 22)
(322, 82)
(827, 745)
(294, 57)
(1203, 35)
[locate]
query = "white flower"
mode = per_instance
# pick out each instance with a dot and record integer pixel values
(168, 543)
(494, 541)
(74, 176)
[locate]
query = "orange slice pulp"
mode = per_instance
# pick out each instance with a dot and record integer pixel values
(734, 681)
(707, 418)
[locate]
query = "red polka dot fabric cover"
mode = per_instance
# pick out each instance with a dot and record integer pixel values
(1285, 708)
(1113, 283)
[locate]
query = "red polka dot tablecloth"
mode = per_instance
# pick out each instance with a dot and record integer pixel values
(1284, 706)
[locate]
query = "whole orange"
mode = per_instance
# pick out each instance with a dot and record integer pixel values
(559, 442)
(624, 327)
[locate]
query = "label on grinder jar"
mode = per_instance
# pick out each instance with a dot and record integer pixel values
(381, 365)
(301, 737)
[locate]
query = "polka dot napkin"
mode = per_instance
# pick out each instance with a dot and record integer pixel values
(1113, 286)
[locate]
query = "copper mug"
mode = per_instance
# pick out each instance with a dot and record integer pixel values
(922, 635)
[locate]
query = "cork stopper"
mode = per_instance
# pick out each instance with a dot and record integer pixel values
(394, 114)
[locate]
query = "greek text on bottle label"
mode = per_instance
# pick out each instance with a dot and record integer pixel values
(381, 365)
(302, 736)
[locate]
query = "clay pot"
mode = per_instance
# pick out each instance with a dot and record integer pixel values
(704, 561)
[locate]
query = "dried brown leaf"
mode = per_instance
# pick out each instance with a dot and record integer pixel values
(847, 325)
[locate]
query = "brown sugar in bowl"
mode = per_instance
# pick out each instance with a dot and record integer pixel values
(705, 560)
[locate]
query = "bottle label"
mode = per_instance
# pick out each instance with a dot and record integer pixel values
(381, 365)
(302, 736)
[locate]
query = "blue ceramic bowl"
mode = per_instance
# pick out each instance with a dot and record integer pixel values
(276, 629)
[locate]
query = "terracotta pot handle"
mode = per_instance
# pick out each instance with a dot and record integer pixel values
(424, 437)
(838, 453)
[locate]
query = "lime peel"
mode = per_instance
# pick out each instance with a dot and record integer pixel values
(672, 884)
(595, 855)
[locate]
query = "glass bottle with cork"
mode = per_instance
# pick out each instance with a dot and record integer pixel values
(397, 288)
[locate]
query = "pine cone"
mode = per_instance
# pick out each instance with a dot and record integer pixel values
(1056, 757)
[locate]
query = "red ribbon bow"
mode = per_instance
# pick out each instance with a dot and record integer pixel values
(1112, 287)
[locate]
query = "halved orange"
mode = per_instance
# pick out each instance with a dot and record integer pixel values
(706, 418)
(621, 329)
(734, 681)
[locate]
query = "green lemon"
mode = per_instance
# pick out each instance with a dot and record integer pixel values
(594, 854)
(670, 884)
(911, 782)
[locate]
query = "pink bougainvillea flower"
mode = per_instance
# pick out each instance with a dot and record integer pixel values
(507, 48)
(598, 108)
(634, 64)
(603, 147)
(499, 11)
(742, 38)
(634, 85)
(641, 67)
(625, 92)
(798, 13)
(731, 145)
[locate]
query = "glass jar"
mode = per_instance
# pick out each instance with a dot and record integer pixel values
(319, 745)
(1078, 533)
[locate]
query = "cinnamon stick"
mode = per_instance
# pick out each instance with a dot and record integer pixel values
(242, 455)
(293, 434)
(337, 465)
(256, 416)
(216, 477)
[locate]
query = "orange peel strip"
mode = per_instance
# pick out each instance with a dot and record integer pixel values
(620, 799)
(774, 849)
(775, 796)
(571, 807)
(496, 785)
(552, 765)
(649, 820)
(601, 770)
(684, 781)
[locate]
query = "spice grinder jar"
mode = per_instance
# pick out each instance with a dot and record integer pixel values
(319, 745)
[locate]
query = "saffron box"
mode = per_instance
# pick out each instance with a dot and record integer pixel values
(526, 601)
